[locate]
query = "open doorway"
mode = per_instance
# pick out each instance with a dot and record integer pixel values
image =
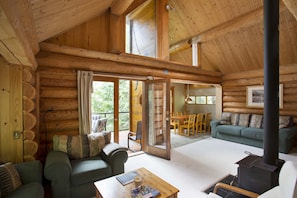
(116, 103)
(205, 99)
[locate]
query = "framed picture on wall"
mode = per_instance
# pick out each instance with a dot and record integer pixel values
(255, 96)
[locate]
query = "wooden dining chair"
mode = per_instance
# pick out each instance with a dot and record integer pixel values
(206, 123)
(174, 123)
(189, 126)
(198, 122)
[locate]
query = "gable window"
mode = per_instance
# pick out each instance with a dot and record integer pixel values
(141, 30)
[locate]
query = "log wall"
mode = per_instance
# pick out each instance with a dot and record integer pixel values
(30, 114)
(235, 85)
(58, 105)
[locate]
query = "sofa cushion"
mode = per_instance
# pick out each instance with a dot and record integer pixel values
(229, 130)
(234, 119)
(256, 121)
(9, 179)
(253, 133)
(89, 170)
(226, 118)
(244, 119)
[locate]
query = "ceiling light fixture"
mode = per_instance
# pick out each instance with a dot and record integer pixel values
(188, 99)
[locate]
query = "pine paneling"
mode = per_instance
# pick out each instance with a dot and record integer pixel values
(93, 35)
(11, 114)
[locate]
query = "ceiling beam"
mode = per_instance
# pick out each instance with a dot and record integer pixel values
(118, 7)
(236, 24)
(17, 36)
(141, 63)
(292, 6)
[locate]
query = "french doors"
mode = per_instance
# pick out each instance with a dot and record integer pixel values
(156, 128)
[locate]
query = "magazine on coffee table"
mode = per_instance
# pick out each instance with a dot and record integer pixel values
(127, 178)
(144, 192)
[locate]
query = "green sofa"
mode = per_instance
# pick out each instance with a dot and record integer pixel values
(248, 129)
(74, 178)
(31, 178)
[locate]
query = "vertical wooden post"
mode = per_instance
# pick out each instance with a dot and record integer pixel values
(162, 22)
(116, 34)
(194, 54)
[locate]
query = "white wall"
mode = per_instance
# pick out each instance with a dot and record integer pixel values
(205, 108)
(179, 100)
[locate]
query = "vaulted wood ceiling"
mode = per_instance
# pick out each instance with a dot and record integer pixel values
(229, 32)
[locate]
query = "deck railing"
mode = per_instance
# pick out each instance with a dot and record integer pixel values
(124, 123)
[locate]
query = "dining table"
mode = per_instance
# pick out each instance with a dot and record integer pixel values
(181, 119)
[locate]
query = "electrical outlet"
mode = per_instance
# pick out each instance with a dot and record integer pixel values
(17, 134)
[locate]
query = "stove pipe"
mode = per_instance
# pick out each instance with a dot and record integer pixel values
(271, 81)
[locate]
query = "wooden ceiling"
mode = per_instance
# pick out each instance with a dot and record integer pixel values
(229, 32)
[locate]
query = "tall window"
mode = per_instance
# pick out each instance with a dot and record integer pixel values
(141, 30)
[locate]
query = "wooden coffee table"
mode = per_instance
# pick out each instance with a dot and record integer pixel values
(111, 187)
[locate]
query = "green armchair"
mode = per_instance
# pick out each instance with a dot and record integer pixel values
(31, 178)
(75, 177)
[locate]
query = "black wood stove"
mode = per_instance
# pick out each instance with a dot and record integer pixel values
(257, 176)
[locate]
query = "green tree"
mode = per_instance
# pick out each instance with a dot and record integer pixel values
(103, 102)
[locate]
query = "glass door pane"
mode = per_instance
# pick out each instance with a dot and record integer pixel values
(157, 106)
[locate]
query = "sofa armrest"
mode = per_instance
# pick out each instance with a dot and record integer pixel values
(57, 165)
(30, 171)
(116, 156)
(213, 125)
(58, 170)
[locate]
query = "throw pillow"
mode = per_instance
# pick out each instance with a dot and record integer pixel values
(9, 179)
(107, 136)
(285, 121)
(81, 146)
(96, 143)
(256, 121)
(244, 119)
(76, 147)
(234, 118)
(226, 118)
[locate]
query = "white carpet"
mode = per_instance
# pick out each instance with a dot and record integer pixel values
(180, 140)
(196, 166)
